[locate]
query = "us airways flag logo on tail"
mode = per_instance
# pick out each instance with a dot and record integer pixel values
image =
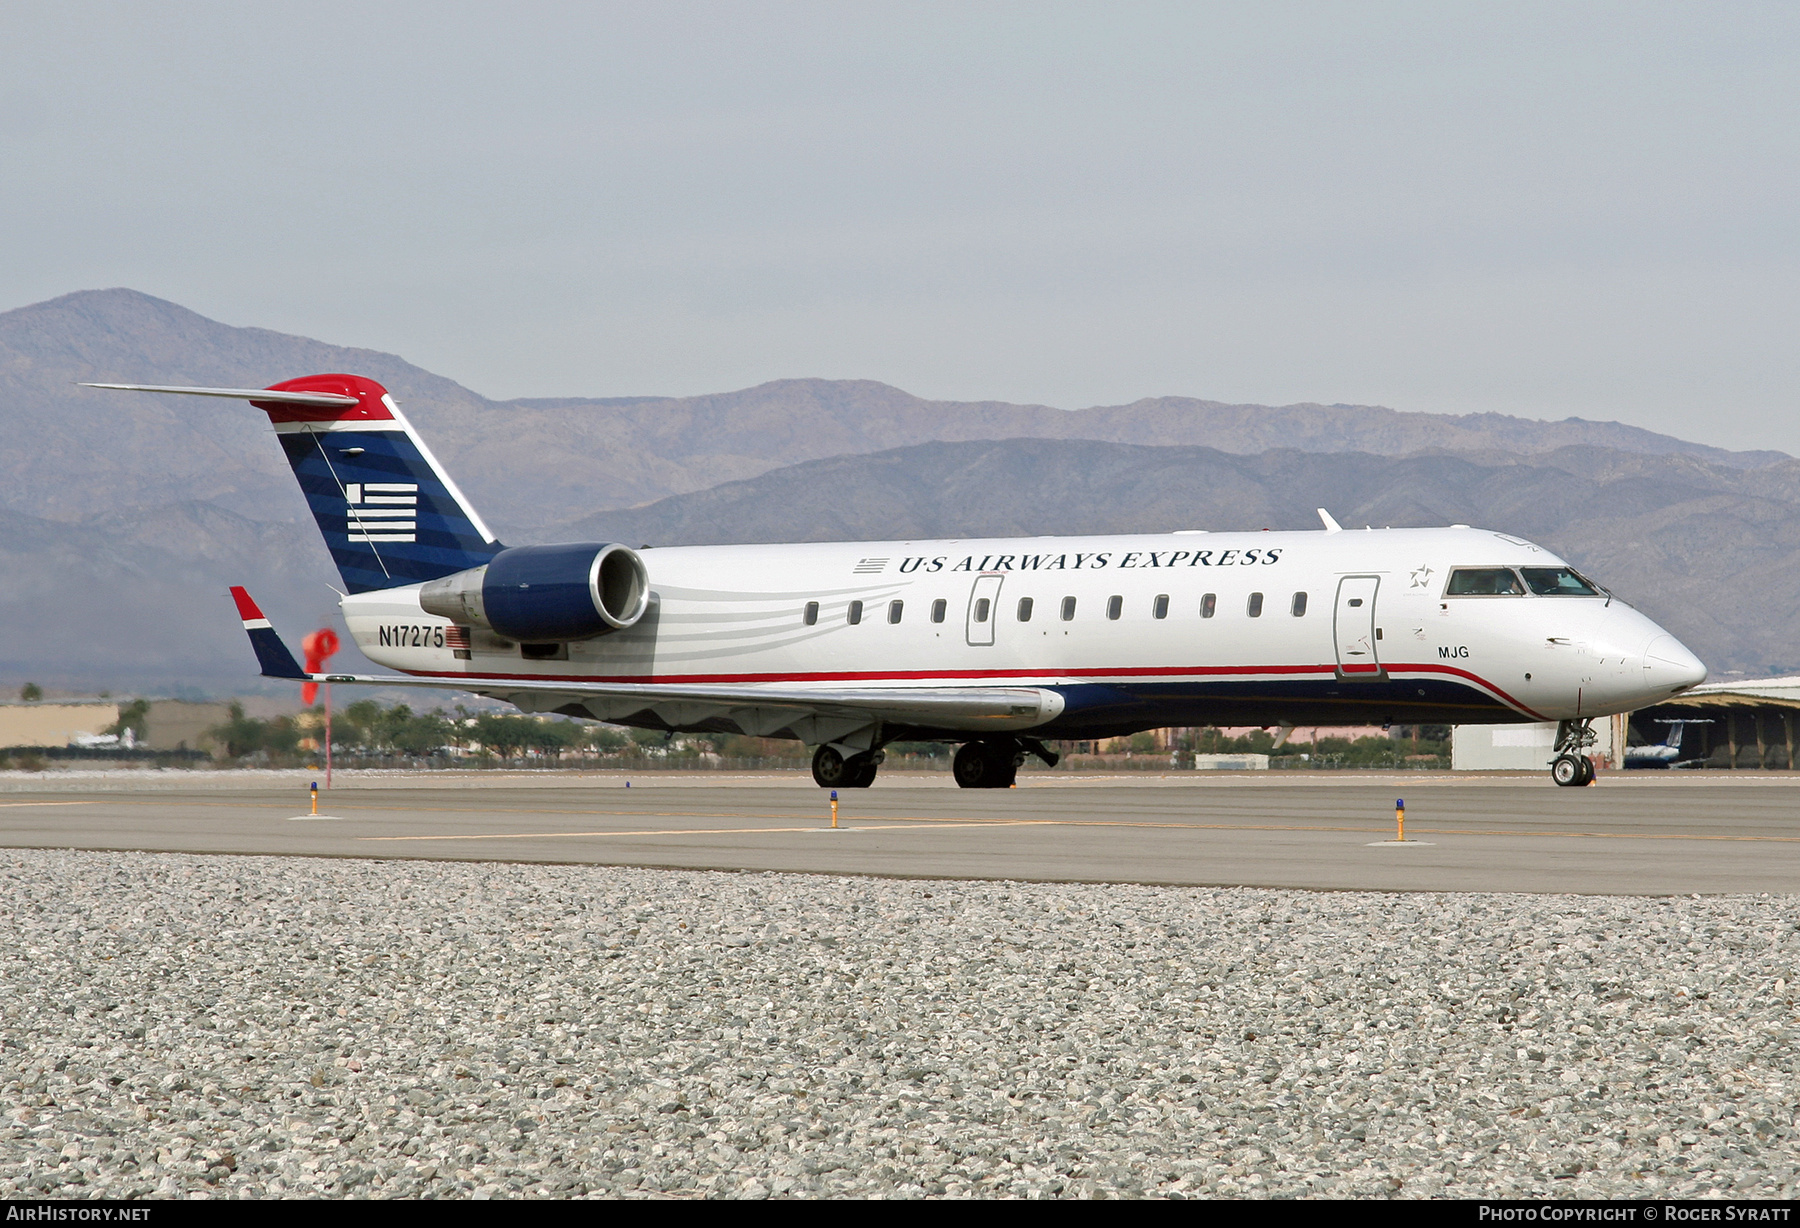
(382, 511)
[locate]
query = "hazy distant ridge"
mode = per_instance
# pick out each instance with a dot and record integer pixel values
(537, 462)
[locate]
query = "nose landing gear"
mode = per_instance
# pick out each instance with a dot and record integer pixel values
(1571, 768)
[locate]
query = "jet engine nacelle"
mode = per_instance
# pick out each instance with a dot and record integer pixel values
(544, 594)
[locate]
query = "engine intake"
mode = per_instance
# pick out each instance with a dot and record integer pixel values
(545, 594)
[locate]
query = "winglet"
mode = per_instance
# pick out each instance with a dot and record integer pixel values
(271, 653)
(1331, 526)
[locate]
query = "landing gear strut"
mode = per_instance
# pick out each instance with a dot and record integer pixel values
(832, 770)
(988, 765)
(1572, 768)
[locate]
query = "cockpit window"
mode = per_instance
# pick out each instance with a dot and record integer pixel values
(1485, 582)
(1558, 582)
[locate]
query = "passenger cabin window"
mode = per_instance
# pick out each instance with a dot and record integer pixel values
(1024, 609)
(894, 608)
(937, 610)
(981, 610)
(1115, 606)
(1209, 605)
(855, 612)
(1160, 607)
(1068, 609)
(1254, 606)
(1558, 582)
(1299, 605)
(810, 615)
(1484, 582)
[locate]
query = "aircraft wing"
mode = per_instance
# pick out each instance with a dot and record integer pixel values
(811, 713)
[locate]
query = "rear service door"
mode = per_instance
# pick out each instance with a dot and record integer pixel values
(1353, 623)
(984, 609)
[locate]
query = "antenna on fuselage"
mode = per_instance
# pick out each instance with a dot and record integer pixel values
(1331, 526)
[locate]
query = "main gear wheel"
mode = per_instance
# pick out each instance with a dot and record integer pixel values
(831, 770)
(987, 765)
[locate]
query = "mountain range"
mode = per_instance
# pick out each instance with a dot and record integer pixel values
(127, 514)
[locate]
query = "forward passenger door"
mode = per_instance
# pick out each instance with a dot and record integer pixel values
(1353, 624)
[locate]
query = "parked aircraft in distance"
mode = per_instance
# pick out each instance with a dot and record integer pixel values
(993, 644)
(1664, 754)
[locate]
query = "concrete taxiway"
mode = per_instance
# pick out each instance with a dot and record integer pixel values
(1639, 834)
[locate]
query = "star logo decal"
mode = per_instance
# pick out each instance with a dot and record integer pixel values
(1421, 575)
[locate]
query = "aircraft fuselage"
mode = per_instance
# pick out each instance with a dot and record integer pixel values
(1130, 631)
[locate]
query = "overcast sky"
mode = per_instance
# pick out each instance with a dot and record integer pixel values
(1546, 210)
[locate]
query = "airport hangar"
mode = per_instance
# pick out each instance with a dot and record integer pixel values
(1744, 725)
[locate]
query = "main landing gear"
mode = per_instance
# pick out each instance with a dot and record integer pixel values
(993, 763)
(832, 771)
(1572, 768)
(987, 765)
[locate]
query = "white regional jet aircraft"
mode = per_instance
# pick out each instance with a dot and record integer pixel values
(993, 644)
(1664, 754)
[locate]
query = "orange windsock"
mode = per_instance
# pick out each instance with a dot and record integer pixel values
(318, 647)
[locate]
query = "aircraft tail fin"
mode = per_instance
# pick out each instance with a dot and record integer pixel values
(389, 513)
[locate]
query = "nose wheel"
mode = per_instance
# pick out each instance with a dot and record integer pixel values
(1571, 768)
(1572, 771)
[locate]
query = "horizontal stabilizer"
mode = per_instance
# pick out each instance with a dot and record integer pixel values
(329, 399)
(271, 653)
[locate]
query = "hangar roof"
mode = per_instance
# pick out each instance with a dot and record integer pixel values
(1761, 692)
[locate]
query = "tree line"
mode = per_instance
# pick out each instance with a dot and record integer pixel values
(369, 729)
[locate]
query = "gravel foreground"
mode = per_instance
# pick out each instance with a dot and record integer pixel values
(181, 1026)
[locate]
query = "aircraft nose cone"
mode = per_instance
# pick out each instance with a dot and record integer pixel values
(1669, 666)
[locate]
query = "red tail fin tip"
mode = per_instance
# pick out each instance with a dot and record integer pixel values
(371, 400)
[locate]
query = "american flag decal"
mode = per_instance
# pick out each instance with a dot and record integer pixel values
(456, 637)
(869, 567)
(383, 511)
